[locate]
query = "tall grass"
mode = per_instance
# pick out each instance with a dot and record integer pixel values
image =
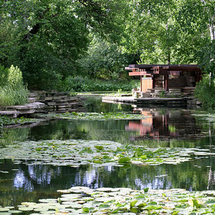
(12, 89)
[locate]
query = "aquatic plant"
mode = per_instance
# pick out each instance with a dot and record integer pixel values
(92, 116)
(106, 200)
(5, 120)
(81, 152)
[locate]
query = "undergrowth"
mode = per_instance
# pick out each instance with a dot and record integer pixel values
(205, 93)
(81, 84)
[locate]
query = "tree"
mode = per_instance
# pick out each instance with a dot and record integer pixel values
(105, 60)
(151, 29)
(49, 36)
(167, 31)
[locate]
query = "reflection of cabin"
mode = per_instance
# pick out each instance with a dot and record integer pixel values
(166, 76)
(153, 126)
(177, 125)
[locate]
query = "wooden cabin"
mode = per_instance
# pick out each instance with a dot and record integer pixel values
(166, 76)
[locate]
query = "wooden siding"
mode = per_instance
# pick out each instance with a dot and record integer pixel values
(146, 83)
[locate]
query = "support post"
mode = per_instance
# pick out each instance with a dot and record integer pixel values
(166, 81)
(141, 83)
(153, 81)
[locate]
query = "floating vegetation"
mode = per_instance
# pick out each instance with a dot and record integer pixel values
(209, 117)
(83, 200)
(92, 116)
(81, 152)
(5, 120)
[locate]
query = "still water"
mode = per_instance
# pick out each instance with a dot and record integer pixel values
(166, 128)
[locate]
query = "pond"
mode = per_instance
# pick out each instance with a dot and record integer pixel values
(172, 128)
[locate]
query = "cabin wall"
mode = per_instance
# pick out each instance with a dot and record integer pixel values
(181, 81)
(158, 81)
(146, 83)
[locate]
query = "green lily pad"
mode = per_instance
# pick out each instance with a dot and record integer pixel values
(4, 209)
(78, 152)
(124, 160)
(127, 201)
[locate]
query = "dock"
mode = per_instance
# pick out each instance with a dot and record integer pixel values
(164, 102)
(119, 100)
(148, 102)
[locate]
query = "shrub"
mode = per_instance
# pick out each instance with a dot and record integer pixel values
(12, 90)
(205, 92)
(80, 84)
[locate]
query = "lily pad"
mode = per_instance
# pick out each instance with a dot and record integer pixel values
(128, 201)
(78, 152)
(92, 116)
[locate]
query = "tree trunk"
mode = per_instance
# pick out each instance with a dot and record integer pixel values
(212, 31)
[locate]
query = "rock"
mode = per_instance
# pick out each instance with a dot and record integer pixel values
(13, 114)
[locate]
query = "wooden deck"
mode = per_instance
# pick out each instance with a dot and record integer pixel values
(148, 102)
(165, 102)
(123, 100)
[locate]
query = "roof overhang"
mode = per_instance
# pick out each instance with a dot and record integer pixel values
(162, 69)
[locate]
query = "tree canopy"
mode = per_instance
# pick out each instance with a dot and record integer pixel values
(51, 39)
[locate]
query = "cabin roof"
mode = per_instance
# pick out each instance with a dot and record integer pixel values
(166, 66)
(150, 69)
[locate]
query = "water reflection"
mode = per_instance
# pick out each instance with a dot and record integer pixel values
(32, 181)
(169, 128)
(94, 104)
(175, 124)
(176, 128)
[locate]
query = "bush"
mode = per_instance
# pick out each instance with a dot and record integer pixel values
(12, 90)
(80, 84)
(205, 92)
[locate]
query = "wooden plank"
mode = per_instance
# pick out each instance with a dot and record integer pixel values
(182, 68)
(128, 68)
(145, 66)
(166, 82)
(139, 74)
(174, 72)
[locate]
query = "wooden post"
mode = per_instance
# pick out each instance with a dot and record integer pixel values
(141, 83)
(153, 81)
(166, 81)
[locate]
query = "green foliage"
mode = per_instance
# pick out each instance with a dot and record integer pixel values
(105, 60)
(206, 56)
(205, 92)
(45, 38)
(80, 84)
(3, 75)
(168, 31)
(4, 120)
(124, 160)
(14, 78)
(50, 40)
(12, 90)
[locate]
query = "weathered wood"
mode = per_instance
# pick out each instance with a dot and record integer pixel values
(139, 74)
(166, 82)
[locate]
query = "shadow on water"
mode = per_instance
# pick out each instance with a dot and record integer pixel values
(166, 128)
